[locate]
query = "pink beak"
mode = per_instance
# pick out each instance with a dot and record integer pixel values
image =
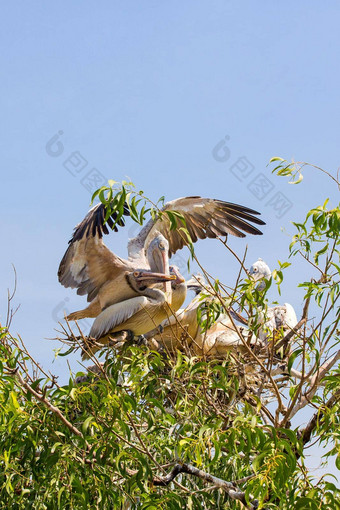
(167, 285)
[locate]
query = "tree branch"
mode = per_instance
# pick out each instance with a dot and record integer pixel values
(314, 383)
(229, 487)
(55, 410)
(307, 432)
(285, 340)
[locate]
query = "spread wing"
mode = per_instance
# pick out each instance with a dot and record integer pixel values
(204, 217)
(88, 264)
(115, 315)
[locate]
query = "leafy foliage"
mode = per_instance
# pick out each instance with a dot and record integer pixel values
(155, 430)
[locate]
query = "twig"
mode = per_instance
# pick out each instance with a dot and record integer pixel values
(10, 313)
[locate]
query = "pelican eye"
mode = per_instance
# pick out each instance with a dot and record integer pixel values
(136, 274)
(161, 246)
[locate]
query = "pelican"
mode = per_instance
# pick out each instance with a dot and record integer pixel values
(90, 267)
(135, 315)
(222, 338)
(183, 328)
(259, 271)
(278, 316)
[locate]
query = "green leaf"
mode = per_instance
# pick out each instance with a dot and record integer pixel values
(306, 504)
(86, 424)
(292, 358)
(298, 180)
(275, 159)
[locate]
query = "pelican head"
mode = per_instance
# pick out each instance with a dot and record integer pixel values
(258, 271)
(177, 277)
(158, 254)
(178, 288)
(196, 283)
(158, 259)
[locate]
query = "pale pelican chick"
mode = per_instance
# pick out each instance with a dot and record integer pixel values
(259, 271)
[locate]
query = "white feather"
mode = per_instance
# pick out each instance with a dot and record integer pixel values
(115, 315)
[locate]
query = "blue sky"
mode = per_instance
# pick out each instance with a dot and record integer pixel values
(148, 90)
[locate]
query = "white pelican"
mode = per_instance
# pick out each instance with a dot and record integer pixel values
(260, 271)
(278, 316)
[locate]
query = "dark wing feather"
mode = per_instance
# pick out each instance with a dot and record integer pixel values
(88, 264)
(94, 225)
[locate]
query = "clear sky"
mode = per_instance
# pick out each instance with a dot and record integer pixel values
(99, 90)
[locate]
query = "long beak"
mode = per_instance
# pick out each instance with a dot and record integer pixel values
(179, 278)
(168, 290)
(158, 277)
(167, 285)
(165, 260)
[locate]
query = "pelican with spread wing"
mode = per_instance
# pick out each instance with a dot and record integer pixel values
(90, 267)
